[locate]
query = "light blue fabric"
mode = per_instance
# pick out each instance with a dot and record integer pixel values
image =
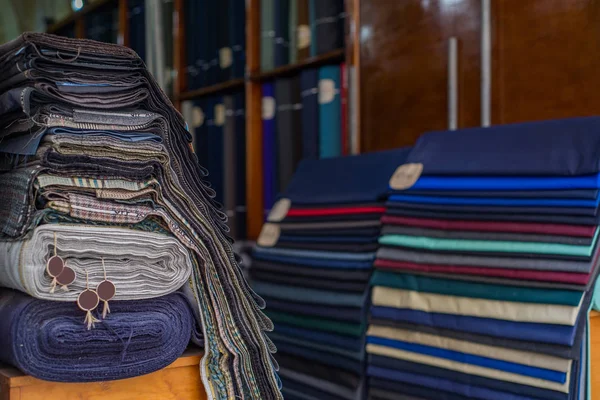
(506, 183)
(497, 201)
(312, 296)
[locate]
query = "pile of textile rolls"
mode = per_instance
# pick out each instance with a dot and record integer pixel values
(486, 270)
(312, 265)
(113, 253)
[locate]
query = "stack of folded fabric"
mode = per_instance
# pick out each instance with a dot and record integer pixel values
(487, 267)
(312, 265)
(113, 253)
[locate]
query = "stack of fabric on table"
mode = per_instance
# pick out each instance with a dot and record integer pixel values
(488, 263)
(113, 253)
(312, 265)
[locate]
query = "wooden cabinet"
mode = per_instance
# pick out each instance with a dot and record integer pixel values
(545, 59)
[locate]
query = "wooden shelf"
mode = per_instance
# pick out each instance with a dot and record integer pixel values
(77, 14)
(327, 58)
(231, 85)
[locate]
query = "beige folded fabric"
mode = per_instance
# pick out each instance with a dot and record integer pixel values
(497, 353)
(468, 368)
(504, 310)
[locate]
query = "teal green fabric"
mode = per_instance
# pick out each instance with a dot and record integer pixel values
(320, 324)
(476, 290)
(430, 243)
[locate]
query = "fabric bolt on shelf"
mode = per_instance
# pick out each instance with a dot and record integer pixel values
(563, 147)
(320, 324)
(562, 351)
(487, 236)
(231, 317)
(323, 234)
(490, 278)
(337, 247)
(541, 264)
(314, 262)
(49, 341)
(413, 390)
(344, 180)
(544, 333)
(309, 295)
(560, 219)
(341, 274)
(440, 384)
(476, 290)
(141, 265)
(329, 237)
(347, 355)
(380, 394)
(314, 387)
(298, 212)
(527, 359)
(446, 373)
(322, 355)
(541, 212)
(314, 283)
(308, 367)
(327, 255)
(493, 226)
(301, 227)
(348, 314)
(483, 308)
(582, 194)
(331, 339)
(334, 218)
(496, 201)
(525, 277)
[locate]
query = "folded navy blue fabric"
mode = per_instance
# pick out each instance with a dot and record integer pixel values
(49, 340)
(438, 182)
(346, 180)
(563, 351)
(308, 390)
(322, 371)
(559, 334)
(447, 385)
(582, 194)
(334, 360)
(350, 314)
(565, 147)
(315, 262)
(346, 274)
(503, 386)
(324, 232)
(486, 362)
(413, 390)
(484, 210)
(330, 238)
(310, 282)
(341, 341)
(498, 200)
(474, 216)
(339, 247)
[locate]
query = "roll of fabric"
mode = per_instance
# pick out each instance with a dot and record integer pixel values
(141, 265)
(48, 340)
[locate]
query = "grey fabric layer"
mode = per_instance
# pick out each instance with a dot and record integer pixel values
(496, 236)
(329, 225)
(142, 265)
(479, 261)
(380, 394)
(320, 384)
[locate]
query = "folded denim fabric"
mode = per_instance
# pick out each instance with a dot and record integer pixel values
(311, 283)
(283, 340)
(48, 340)
(333, 247)
(308, 295)
(141, 265)
(428, 370)
(476, 290)
(340, 274)
(348, 314)
(562, 147)
(344, 180)
(345, 342)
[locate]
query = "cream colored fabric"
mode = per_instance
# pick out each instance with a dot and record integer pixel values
(497, 353)
(468, 368)
(504, 310)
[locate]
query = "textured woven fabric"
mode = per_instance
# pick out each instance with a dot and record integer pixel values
(49, 341)
(141, 265)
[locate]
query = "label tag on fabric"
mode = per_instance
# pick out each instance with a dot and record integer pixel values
(268, 107)
(279, 210)
(219, 115)
(225, 57)
(405, 176)
(269, 235)
(197, 117)
(303, 36)
(326, 91)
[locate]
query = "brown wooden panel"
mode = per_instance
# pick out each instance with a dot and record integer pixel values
(545, 59)
(403, 71)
